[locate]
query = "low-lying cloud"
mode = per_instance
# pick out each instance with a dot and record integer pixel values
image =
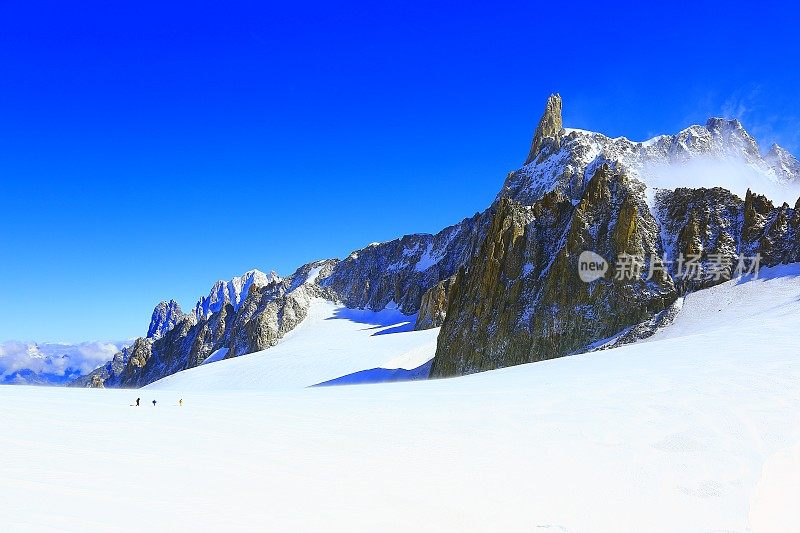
(26, 362)
(736, 176)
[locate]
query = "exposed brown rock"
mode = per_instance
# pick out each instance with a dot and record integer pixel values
(796, 214)
(689, 242)
(625, 228)
(520, 299)
(756, 210)
(434, 305)
(549, 128)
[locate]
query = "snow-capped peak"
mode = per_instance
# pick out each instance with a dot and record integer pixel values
(165, 316)
(785, 165)
(233, 291)
(719, 154)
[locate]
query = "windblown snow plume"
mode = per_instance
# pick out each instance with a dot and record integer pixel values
(719, 154)
(737, 176)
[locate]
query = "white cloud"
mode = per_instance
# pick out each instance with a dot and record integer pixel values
(735, 175)
(54, 358)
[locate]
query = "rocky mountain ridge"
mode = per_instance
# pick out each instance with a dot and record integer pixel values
(565, 160)
(521, 299)
(164, 317)
(503, 284)
(233, 323)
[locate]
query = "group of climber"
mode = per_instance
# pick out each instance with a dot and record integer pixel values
(180, 402)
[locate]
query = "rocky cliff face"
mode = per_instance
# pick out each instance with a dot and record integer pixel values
(548, 132)
(165, 316)
(402, 270)
(433, 307)
(520, 299)
(232, 292)
(503, 284)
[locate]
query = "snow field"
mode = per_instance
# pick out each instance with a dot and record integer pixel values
(697, 429)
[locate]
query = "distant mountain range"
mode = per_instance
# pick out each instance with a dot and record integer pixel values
(28, 363)
(503, 284)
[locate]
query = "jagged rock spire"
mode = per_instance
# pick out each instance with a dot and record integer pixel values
(550, 126)
(165, 316)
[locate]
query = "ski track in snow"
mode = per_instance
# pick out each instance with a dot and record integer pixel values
(696, 429)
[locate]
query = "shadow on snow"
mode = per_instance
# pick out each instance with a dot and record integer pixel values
(380, 375)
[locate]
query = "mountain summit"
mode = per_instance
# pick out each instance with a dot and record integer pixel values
(165, 315)
(549, 129)
(720, 153)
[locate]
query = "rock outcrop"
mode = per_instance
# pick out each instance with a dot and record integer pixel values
(107, 373)
(402, 270)
(165, 316)
(521, 300)
(549, 129)
(232, 292)
(433, 307)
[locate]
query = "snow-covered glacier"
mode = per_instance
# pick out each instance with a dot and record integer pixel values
(696, 429)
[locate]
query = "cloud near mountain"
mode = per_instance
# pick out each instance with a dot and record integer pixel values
(51, 363)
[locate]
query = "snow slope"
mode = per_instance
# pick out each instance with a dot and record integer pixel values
(331, 342)
(696, 430)
(745, 303)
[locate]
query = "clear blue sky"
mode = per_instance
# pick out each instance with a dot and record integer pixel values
(149, 150)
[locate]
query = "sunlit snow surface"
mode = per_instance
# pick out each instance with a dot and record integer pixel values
(695, 430)
(332, 341)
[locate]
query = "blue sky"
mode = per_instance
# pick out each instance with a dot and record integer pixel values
(149, 150)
